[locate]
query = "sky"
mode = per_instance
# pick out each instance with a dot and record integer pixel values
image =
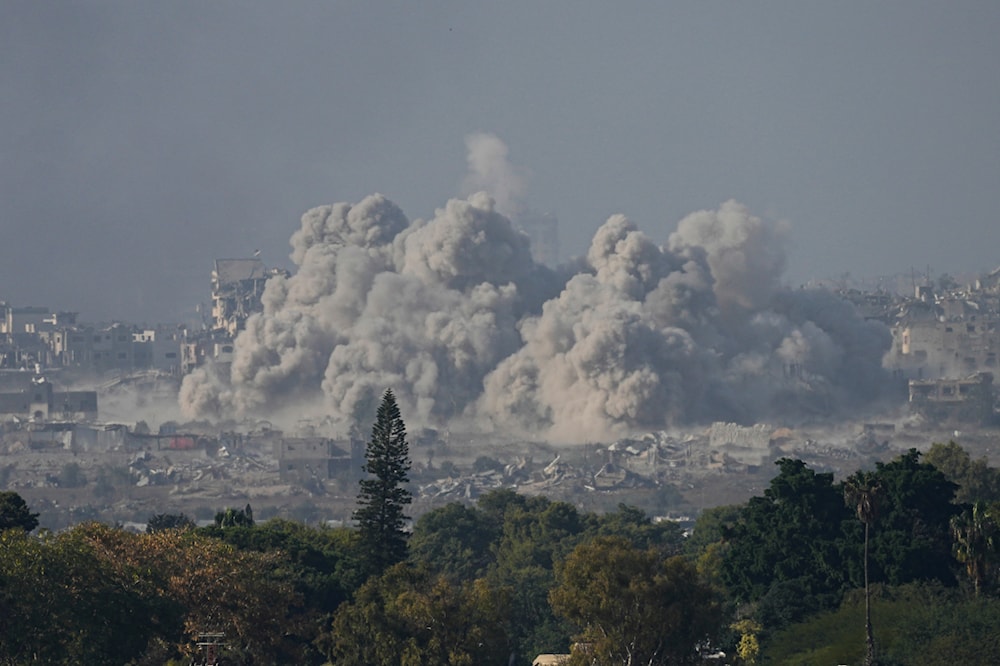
(140, 141)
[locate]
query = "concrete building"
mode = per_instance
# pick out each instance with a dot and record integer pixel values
(947, 339)
(22, 319)
(969, 400)
(307, 460)
(33, 398)
(158, 349)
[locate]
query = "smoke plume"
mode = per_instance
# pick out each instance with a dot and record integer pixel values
(468, 331)
(490, 171)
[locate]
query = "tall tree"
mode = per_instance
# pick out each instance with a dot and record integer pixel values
(383, 495)
(976, 539)
(862, 491)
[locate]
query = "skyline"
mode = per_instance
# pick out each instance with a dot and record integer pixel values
(142, 141)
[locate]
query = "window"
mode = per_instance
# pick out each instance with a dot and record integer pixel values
(171, 354)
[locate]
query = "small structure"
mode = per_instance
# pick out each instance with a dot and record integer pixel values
(550, 659)
(210, 645)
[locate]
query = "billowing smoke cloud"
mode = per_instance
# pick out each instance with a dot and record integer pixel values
(456, 318)
(490, 171)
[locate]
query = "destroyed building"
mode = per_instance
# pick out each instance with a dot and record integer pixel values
(307, 460)
(33, 338)
(28, 397)
(237, 285)
(747, 445)
(948, 335)
(968, 400)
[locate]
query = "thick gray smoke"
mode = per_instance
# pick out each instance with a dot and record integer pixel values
(454, 316)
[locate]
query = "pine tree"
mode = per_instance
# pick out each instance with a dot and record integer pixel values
(383, 495)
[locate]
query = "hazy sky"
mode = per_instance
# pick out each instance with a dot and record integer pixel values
(141, 140)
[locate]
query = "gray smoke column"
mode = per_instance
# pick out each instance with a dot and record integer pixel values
(454, 316)
(490, 171)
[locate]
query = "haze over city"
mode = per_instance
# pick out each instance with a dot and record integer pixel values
(140, 141)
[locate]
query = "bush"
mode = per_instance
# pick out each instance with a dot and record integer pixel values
(924, 624)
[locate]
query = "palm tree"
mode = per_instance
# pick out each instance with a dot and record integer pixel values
(976, 539)
(863, 492)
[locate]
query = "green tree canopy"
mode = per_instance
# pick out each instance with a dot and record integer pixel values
(324, 562)
(792, 533)
(633, 524)
(410, 617)
(976, 480)
(14, 513)
(168, 521)
(634, 606)
(977, 543)
(231, 517)
(66, 602)
(455, 540)
(913, 539)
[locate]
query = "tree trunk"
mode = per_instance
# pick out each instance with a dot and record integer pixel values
(869, 638)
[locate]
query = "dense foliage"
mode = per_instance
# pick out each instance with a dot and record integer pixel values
(779, 579)
(617, 593)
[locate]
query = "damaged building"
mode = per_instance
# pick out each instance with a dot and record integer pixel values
(28, 397)
(955, 334)
(746, 445)
(237, 285)
(968, 400)
(308, 460)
